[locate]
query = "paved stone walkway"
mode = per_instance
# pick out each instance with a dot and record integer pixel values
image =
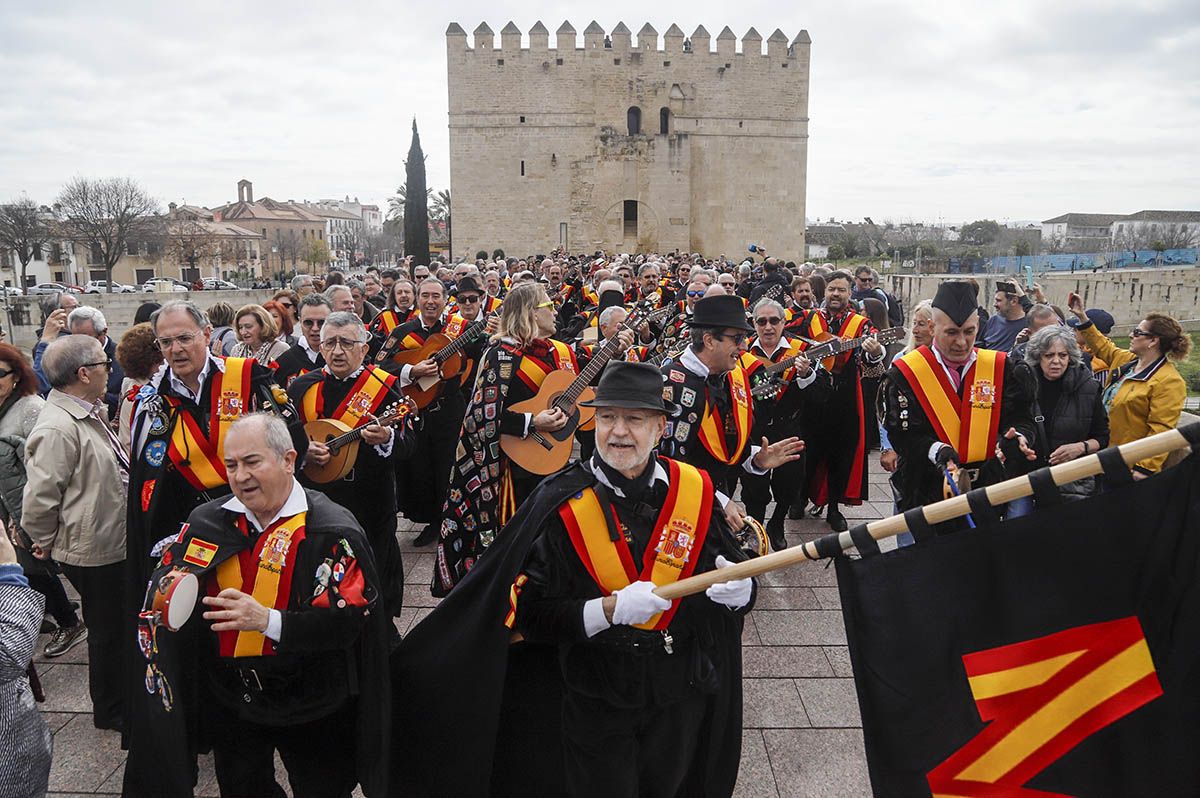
(803, 735)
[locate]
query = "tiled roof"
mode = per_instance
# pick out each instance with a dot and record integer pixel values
(1085, 219)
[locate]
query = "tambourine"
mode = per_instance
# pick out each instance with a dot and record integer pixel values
(753, 537)
(961, 481)
(175, 598)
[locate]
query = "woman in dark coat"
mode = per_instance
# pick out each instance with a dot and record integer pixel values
(1068, 410)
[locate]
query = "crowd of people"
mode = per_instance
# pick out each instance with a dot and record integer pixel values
(253, 462)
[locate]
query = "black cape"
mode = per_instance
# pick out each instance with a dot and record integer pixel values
(163, 744)
(452, 686)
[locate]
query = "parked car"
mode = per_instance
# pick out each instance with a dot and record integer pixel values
(101, 287)
(12, 290)
(48, 288)
(214, 284)
(164, 284)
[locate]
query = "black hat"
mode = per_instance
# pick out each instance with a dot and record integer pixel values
(467, 283)
(957, 300)
(1103, 320)
(611, 299)
(720, 312)
(634, 386)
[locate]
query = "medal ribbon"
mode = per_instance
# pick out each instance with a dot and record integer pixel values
(712, 430)
(674, 546)
(265, 572)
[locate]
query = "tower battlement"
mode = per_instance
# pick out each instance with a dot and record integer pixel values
(620, 40)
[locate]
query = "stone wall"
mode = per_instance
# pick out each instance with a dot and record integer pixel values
(731, 169)
(1128, 294)
(118, 309)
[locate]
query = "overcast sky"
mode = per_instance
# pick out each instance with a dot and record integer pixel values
(919, 110)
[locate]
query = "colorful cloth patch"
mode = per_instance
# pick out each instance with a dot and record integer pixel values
(154, 453)
(200, 553)
(676, 376)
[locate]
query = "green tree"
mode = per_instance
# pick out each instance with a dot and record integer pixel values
(440, 211)
(316, 253)
(416, 203)
(497, 254)
(1023, 248)
(980, 233)
(481, 255)
(836, 252)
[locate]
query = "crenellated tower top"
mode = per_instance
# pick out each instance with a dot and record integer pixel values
(620, 40)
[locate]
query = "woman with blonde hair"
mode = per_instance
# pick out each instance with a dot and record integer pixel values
(1145, 393)
(485, 487)
(257, 335)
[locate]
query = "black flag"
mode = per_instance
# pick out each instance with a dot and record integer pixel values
(1056, 654)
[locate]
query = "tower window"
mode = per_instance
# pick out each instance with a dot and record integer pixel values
(617, 61)
(522, 168)
(664, 121)
(634, 119)
(631, 218)
(558, 61)
(499, 62)
(522, 120)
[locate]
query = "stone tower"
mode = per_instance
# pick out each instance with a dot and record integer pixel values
(624, 146)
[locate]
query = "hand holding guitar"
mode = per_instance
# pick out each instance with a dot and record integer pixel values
(803, 365)
(426, 368)
(872, 346)
(375, 434)
(318, 453)
(549, 420)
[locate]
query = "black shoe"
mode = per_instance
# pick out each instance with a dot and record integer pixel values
(64, 639)
(775, 534)
(48, 627)
(428, 535)
(796, 511)
(837, 521)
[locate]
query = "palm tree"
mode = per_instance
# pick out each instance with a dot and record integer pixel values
(439, 211)
(396, 203)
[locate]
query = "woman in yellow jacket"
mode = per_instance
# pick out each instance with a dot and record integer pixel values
(1145, 395)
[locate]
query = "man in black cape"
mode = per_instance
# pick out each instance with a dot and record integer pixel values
(298, 668)
(529, 674)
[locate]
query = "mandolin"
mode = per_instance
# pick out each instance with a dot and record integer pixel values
(443, 350)
(544, 452)
(343, 441)
(768, 381)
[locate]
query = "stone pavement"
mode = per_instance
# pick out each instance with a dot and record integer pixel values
(803, 735)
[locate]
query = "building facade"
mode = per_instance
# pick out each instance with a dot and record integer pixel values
(1097, 232)
(286, 228)
(628, 147)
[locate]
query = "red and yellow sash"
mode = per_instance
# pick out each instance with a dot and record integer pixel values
(533, 370)
(969, 424)
(712, 428)
(413, 340)
(199, 455)
(852, 327)
(808, 323)
(491, 303)
(674, 546)
(364, 399)
(386, 321)
(265, 572)
(454, 326)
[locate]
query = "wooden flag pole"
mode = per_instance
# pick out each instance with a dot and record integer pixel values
(1000, 493)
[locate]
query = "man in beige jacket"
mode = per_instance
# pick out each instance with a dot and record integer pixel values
(74, 505)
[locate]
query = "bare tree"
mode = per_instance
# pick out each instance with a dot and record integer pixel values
(108, 215)
(1144, 235)
(289, 246)
(24, 230)
(189, 242)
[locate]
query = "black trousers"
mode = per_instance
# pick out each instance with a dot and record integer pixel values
(57, 603)
(611, 752)
(423, 480)
(318, 756)
(100, 596)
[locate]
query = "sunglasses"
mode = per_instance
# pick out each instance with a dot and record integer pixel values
(468, 299)
(288, 305)
(695, 294)
(106, 363)
(737, 338)
(1136, 333)
(546, 304)
(6, 373)
(765, 322)
(311, 323)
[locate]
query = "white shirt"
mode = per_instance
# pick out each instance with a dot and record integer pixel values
(165, 373)
(296, 502)
(178, 386)
(303, 344)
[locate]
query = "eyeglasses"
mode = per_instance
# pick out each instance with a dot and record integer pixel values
(764, 322)
(737, 338)
(695, 294)
(546, 304)
(865, 279)
(288, 305)
(185, 340)
(468, 299)
(311, 323)
(108, 364)
(6, 373)
(333, 344)
(1136, 333)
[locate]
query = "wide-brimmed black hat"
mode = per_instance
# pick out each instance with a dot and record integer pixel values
(467, 283)
(633, 386)
(720, 312)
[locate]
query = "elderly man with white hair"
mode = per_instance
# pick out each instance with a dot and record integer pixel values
(85, 320)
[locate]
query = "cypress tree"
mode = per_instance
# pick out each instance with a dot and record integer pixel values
(416, 203)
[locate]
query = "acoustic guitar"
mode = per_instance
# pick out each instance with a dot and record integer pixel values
(441, 349)
(545, 452)
(768, 381)
(343, 441)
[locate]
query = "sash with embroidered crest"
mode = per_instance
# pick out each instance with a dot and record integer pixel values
(712, 427)
(199, 454)
(263, 571)
(365, 397)
(674, 546)
(969, 423)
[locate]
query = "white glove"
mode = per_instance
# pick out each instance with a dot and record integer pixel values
(734, 594)
(638, 604)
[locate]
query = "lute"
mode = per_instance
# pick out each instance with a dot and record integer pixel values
(342, 441)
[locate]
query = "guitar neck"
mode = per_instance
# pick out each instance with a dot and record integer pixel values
(454, 347)
(819, 353)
